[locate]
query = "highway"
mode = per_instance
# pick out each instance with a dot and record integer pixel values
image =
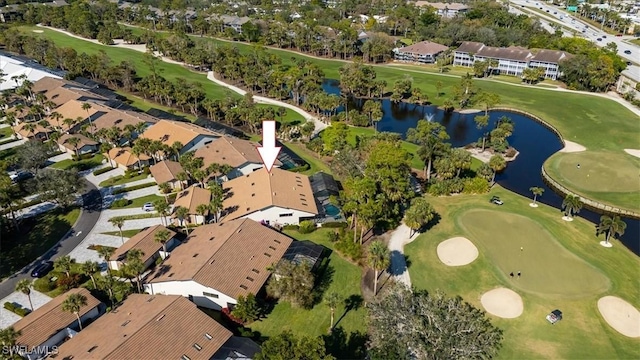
(627, 51)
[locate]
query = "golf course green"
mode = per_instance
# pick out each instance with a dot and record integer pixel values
(562, 264)
(609, 177)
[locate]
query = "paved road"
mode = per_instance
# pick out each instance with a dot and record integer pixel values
(92, 205)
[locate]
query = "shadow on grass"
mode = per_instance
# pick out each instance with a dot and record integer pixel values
(343, 345)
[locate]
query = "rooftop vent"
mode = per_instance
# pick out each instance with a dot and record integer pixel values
(212, 261)
(209, 337)
(92, 348)
(249, 278)
(125, 323)
(151, 299)
(160, 317)
(272, 248)
(197, 347)
(171, 275)
(244, 287)
(252, 195)
(195, 255)
(256, 271)
(267, 254)
(185, 357)
(276, 241)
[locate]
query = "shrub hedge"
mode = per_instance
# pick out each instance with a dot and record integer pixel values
(16, 309)
(103, 170)
(335, 224)
(120, 203)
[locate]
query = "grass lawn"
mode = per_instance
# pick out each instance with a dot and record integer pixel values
(37, 235)
(80, 165)
(5, 132)
(563, 267)
(635, 41)
(121, 179)
(125, 233)
(315, 322)
(138, 202)
(605, 176)
(315, 164)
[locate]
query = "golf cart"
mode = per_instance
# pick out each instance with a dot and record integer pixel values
(554, 316)
(496, 200)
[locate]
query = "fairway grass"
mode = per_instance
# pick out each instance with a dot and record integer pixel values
(612, 178)
(547, 267)
(565, 247)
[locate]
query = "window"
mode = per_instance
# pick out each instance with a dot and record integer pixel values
(286, 215)
(197, 347)
(215, 296)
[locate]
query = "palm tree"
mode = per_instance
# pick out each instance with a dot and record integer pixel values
(536, 191)
(57, 117)
(182, 177)
(571, 205)
(30, 128)
(74, 141)
(135, 266)
(177, 147)
(119, 223)
(8, 339)
(162, 236)
(69, 122)
(379, 259)
(162, 207)
(332, 299)
(105, 252)
(610, 226)
(63, 264)
(202, 210)
(87, 107)
(215, 206)
(166, 189)
(497, 164)
(73, 303)
(182, 213)
(24, 286)
(90, 268)
(105, 148)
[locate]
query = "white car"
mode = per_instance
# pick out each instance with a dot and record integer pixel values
(148, 207)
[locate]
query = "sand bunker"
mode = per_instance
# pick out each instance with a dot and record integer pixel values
(634, 152)
(620, 315)
(571, 147)
(502, 302)
(37, 31)
(457, 251)
(469, 111)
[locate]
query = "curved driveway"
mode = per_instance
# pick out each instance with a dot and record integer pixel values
(91, 207)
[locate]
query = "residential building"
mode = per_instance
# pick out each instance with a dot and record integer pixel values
(59, 91)
(424, 52)
(448, 10)
(629, 80)
(167, 171)
(144, 241)
(84, 145)
(241, 155)
(511, 60)
(38, 132)
(12, 68)
(156, 327)
(278, 197)
(192, 137)
(230, 21)
(49, 325)
(219, 262)
(72, 109)
(127, 160)
(190, 199)
(14, 12)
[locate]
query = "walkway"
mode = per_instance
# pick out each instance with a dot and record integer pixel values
(399, 238)
(8, 318)
(12, 144)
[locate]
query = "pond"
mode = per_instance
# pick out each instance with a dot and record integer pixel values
(534, 141)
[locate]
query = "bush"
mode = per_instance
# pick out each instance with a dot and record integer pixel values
(290, 227)
(120, 203)
(446, 187)
(476, 185)
(302, 168)
(69, 282)
(350, 249)
(334, 224)
(16, 309)
(44, 285)
(102, 170)
(333, 236)
(511, 152)
(9, 306)
(316, 145)
(307, 227)
(132, 188)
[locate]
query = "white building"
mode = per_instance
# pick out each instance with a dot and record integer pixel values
(48, 326)
(448, 10)
(629, 80)
(219, 262)
(280, 197)
(16, 71)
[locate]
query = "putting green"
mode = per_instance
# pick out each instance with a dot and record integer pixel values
(546, 266)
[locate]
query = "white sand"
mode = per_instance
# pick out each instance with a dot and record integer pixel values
(620, 315)
(457, 251)
(37, 31)
(469, 111)
(570, 147)
(634, 152)
(502, 302)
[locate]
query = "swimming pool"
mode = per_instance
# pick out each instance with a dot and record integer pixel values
(331, 210)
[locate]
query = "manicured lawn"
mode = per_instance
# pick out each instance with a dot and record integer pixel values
(605, 176)
(635, 41)
(5, 132)
(121, 179)
(563, 267)
(125, 233)
(145, 105)
(37, 235)
(315, 164)
(345, 281)
(138, 202)
(79, 165)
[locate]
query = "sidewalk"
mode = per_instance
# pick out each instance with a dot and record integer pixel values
(398, 268)
(7, 318)
(12, 144)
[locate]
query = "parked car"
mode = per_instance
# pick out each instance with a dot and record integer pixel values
(604, 36)
(599, 39)
(496, 200)
(554, 316)
(628, 52)
(20, 175)
(42, 269)
(148, 207)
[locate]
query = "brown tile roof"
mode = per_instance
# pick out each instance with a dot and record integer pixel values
(551, 56)
(148, 327)
(191, 197)
(261, 189)
(60, 91)
(47, 84)
(228, 257)
(171, 131)
(166, 171)
(84, 141)
(27, 134)
(424, 48)
(470, 47)
(110, 117)
(231, 151)
(145, 241)
(49, 319)
(73, 109)
(124, 156)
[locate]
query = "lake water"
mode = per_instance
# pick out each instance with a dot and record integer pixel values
(535, 143)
